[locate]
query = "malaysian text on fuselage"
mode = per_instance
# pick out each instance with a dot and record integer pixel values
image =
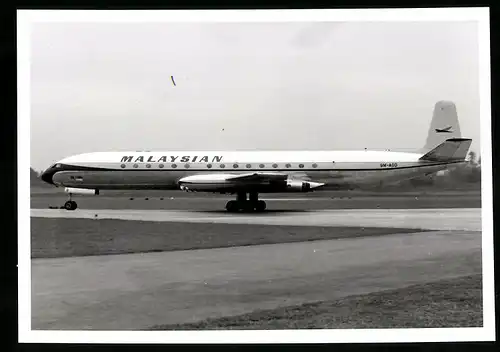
(171, 159)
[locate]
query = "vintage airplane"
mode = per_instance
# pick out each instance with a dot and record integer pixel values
(248, 173)
(444, 130)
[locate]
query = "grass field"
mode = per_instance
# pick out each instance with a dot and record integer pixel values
(83, 237)
(447, 303)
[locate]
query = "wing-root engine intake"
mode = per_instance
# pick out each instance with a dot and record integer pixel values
(248, 183)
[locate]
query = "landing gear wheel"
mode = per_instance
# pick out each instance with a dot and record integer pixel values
(247, 206)
(261, 206)
(232, 206)
(70, 205)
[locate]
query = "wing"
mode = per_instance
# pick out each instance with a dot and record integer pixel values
(259, 177)
(255, 182)
(222, 178)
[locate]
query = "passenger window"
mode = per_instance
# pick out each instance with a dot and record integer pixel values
(161, 166)
(275, 165)
(261, 166)
(315, 165)
(209, 166)
(174, 166)
(235, 166)
(222, 166)
(186, 166)
(249, 166)
(136, 166)
(288, 166)
(148, 166)
(301, 165)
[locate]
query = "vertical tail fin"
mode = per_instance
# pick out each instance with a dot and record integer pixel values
(444, 125)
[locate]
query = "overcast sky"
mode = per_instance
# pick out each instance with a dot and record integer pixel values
(103, 87)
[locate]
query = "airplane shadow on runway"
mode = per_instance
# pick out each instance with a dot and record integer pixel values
(254, 213)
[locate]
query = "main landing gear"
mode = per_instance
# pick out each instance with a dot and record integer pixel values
(70, 204)
(244, 204)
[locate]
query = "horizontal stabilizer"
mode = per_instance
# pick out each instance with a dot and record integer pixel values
(453, 149)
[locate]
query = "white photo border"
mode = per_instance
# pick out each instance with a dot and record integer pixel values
(25, 18)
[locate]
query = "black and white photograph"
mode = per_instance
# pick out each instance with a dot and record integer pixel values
(267, 176)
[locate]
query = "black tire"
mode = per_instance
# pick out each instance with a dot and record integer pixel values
(247, 206)
(74, 205)
(261, 206)
(68, 205)
(232, 206)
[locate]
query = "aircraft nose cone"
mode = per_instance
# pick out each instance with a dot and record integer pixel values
(47, 176)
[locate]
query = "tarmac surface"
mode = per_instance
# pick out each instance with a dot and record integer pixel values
(434, 219)
(195, 202)
(137, 291)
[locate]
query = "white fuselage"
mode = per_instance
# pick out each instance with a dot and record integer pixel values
(163, 170)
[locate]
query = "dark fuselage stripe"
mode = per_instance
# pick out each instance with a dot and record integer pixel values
(86, 168)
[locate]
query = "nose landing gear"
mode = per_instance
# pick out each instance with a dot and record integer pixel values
(70, 204)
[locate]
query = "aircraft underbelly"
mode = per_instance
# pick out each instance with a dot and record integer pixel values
(353, 177)
(373, 176)
(118, 179)
(166, 179)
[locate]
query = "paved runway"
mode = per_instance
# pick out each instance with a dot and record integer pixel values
(434, 219)
(140, 290)
(136, 291)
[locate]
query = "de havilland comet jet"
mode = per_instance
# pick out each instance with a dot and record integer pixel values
(248, 173)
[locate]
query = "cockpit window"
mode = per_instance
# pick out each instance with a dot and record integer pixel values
(57, 165)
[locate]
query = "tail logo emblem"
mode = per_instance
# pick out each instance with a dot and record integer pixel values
(444, 130)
